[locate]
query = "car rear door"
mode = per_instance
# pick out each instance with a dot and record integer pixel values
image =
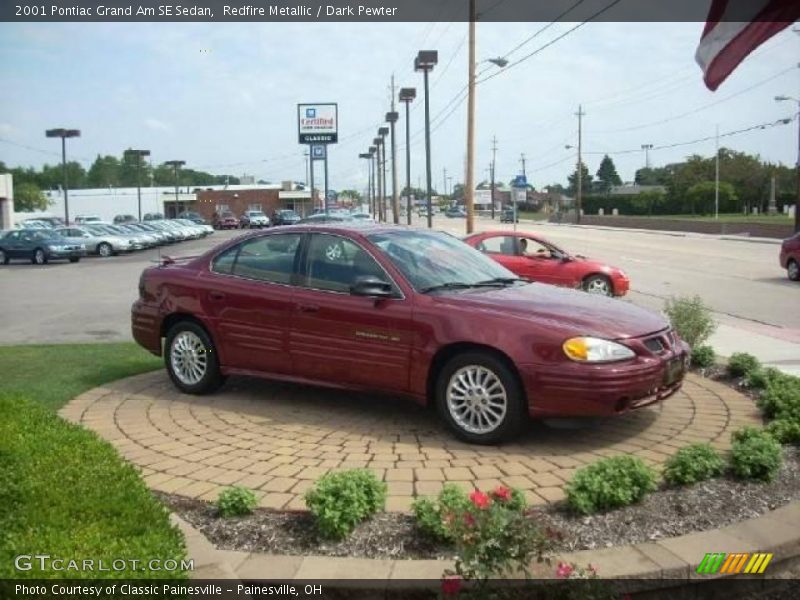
(11, 244)
(248, 295)
(344, 339)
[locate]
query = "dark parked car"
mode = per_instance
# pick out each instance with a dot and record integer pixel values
(329, 218)
(403, 311)
(226, 220)
(508, 216)
(122, 219)
(193, 217)
(790, 256)
(285, 217)
(39, 246)
(455, 212)
(153, 217)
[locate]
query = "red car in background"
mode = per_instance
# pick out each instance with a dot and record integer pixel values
(226, 220)
(533, 257)
(790, 256)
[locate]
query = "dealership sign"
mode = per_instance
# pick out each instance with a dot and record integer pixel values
(318, 123)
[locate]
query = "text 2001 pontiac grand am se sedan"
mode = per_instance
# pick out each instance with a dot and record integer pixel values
(403, 311)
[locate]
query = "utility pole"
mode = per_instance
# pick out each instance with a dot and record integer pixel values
(580, 114)
(491, 172)
(444, 180)
(716, 176)
(522, 160)
(469, 184)
(392, 118)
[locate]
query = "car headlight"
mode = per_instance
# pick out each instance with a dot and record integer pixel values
(589, 349)
(55, 247)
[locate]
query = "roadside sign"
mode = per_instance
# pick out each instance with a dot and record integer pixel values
(318, 151)
(318, 123)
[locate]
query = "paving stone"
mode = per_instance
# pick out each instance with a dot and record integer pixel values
(275, 500)
(279, 484)
(399, 475)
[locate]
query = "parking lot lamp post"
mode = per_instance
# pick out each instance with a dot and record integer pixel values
(425, 61)
(383, 132)
(138, 155)
(176, 164)
(64, 134)
(368, 156)
(797, 166)
(391, 118)
(378, 183)
(407, 96)
(372, 153)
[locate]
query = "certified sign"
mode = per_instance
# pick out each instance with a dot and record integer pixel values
(318, 123)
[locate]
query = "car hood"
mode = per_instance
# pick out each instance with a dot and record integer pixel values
(594, 265)
(575, 311)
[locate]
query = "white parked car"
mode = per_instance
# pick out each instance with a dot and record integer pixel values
(87, 219)
(97, 242)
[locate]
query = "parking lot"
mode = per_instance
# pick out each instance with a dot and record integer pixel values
(741, 281)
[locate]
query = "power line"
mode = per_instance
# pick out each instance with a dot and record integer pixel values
(543, 29)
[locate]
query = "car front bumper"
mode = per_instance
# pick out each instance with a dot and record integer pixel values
(51, 253)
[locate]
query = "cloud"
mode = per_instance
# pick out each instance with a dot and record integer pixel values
(156, 125)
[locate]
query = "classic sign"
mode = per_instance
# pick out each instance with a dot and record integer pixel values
(317, 123)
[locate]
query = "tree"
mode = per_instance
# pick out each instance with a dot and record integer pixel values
(586, 180)
(701, 197)
(353, 194)
(104, 172)
(29, 197)
(607, 175)
(417, 193)
(458, 192)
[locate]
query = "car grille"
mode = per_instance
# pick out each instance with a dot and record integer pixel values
(661, 343)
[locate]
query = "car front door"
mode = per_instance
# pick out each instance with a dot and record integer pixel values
(541, 262)
(248, 294)
(341, 338)
(503, 249)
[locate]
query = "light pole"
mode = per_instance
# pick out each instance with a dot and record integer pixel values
(372, 151)
(383, 132)
(425, 61)
(391, 118)
(64, 134)
(407, 96)
(378, 141)
(176, 164)
(368, 156)
(647, 148)
(797, 166)
(138, 154)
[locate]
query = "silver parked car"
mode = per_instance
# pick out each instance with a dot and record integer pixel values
(138, 240)
(97, 242)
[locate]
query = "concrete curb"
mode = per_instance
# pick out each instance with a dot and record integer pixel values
(663, 563)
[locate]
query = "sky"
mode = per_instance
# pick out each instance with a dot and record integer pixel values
(223, 97)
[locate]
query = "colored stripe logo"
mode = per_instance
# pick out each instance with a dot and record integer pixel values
(734, 563)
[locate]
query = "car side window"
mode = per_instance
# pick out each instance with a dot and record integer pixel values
(223, 263)
(267, 258)
(335, 263)
(529, 247)
(14, 235)
(499, 244)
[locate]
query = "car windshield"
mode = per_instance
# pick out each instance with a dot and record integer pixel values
(46, 234)
(256, 213)
(432, 260)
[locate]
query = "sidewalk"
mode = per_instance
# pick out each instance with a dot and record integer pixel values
(773, 346)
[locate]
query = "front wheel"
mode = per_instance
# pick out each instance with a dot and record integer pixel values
(191, 359)
(39, 257)
(598, 284)
(74, 259)
(3, 257)
(793, 270)
(105, 250)
(480, 399)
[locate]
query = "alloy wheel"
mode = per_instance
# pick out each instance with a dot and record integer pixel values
(598, 285)
(38, 257)
(104, 250)
(793, 270)
(476, 399)
(188, 358)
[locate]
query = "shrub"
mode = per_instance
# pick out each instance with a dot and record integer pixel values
(691, 318)
(339, 501)
(741, 364)
(785, 431)
(755, 454)
(236, 501)
(703, 356)
(781, 399)
(694, 463)
(610, 483)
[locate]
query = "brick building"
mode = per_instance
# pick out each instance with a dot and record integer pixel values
(240, 200)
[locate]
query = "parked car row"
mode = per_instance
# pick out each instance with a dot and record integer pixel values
(40, 243)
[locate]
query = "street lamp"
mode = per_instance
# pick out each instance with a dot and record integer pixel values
(138, 154)
(797, 166)
(372, 151)
(391, 118)
(425, 61)
(64, 134)
(647, 148)
(383, 132)
(368, 156)
(407, 96)
(176, 164)
(378, 141)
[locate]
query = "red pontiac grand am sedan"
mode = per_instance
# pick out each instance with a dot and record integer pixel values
(533, 257)
(790, 256)
(403, 311)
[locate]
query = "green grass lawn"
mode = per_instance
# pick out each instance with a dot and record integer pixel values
(64, 491)
(729, 218)
(54, 374)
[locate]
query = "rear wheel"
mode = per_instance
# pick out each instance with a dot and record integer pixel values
(74, 259)
(480, 399)
(39, 257)
(3, 257)
(191, 359)
(598, 284)
(793, 270)
(104, 249)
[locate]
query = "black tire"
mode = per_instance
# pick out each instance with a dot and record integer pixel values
(104, 249)
(594, 284)
(4, 257)
(74, 259)
(516, 413)
(39, 257)
(793, 270)
(212, 378)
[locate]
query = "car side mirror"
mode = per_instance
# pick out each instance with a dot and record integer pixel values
(371, 286)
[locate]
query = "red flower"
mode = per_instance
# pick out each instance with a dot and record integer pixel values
(451, 585)
(501, 492)
(480, 500)
(564, 570)
(469, 520)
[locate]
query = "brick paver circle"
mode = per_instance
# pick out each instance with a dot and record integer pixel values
(277, 439)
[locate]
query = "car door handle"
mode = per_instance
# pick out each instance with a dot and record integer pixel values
(308, 308)
(217, 296)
